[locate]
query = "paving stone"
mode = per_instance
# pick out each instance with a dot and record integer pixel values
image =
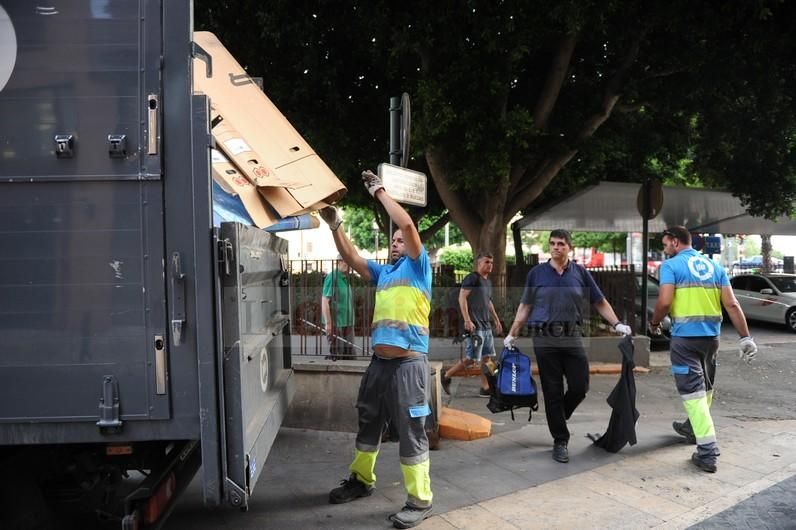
(774, 508)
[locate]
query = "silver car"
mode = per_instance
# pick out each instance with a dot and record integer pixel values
(767, 297)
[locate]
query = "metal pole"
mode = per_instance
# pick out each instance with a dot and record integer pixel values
(395, 147)
(395, 131)
(645, 244)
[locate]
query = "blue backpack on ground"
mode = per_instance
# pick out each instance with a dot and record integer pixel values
(512, 385)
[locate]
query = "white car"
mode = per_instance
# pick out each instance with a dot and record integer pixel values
(768, 297)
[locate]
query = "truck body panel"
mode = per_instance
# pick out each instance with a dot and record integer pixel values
(127, 319)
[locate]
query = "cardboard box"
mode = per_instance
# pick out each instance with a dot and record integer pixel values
(276, 190)
(291, 176)
(234, 182)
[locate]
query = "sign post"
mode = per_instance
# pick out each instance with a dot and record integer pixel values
(400, 125)
(649, 202)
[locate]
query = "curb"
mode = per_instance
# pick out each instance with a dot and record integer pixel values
(594, 368)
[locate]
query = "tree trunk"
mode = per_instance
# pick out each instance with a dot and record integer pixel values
(765, 250)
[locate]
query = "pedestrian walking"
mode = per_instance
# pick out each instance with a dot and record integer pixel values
(555, 304)
(478, 312)
(394, 386)
(692, 290)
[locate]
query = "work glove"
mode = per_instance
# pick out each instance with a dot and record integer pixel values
(622, 329)
(331, 216)
(747, 349)
(372, 182)
(509, 341)
(656, 330)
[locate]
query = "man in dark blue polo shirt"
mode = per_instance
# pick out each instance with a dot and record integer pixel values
(556, 301)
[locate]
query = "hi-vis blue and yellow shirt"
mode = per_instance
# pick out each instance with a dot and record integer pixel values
(403, 302)
(696, 308)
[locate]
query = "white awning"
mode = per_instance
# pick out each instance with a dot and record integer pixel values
(612, 207)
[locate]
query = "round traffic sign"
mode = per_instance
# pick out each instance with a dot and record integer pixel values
(656, 199)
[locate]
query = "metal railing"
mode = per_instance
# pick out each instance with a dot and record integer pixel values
(617, 283)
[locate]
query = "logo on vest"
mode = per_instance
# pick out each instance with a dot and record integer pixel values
(700, 267)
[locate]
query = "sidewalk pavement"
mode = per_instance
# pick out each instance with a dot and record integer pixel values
(659, 489)
(509, 480)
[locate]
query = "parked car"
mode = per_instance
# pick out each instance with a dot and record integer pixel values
(767, 297)
(657, 341)
(754, 263)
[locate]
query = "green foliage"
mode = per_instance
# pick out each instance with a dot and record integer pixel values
(535, 237)
(359, 221)
(602, 241)
(751, 246)
(707, 98)
(459, 259)
(455, 235)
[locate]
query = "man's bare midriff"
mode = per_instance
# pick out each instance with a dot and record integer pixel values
(393, 352)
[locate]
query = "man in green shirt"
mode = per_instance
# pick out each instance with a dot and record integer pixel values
(338, 312)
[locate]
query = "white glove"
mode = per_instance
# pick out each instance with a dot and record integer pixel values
(747, 349)
(622, 329)
(331, 216)
(509, 341)
(372, 182)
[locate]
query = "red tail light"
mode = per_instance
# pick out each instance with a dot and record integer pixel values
(157, 503)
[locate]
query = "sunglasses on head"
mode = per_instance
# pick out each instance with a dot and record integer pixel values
(668, 233)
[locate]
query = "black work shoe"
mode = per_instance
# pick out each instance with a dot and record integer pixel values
(684, 429)
(410, 516)
(560, 452)
(446, 384)
(484, 393)
(350, 489)
(701, 464)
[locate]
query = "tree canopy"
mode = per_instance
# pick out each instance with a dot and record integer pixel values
(518, 102)
(359, 221)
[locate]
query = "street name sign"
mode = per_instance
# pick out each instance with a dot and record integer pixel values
(404, 185)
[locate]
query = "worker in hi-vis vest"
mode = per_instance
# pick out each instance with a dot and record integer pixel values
(692, 290)
(394, 386)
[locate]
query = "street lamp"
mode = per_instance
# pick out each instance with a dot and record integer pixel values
(375, 226)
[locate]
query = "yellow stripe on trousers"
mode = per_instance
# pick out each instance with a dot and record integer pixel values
(418, 483)
(364, 466)
(698, 410)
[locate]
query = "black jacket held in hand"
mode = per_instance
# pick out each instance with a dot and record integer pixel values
(622, 399)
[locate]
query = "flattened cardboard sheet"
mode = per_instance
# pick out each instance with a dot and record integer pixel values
(234, 182)
(266, 132)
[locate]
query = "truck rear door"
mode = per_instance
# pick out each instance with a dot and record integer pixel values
(82, 301)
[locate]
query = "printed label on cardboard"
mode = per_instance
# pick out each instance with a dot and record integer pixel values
(236, 146)
(216, 157)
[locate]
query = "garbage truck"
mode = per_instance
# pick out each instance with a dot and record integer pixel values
(141, 341)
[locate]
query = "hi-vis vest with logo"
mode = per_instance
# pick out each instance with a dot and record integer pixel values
(696, 308)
